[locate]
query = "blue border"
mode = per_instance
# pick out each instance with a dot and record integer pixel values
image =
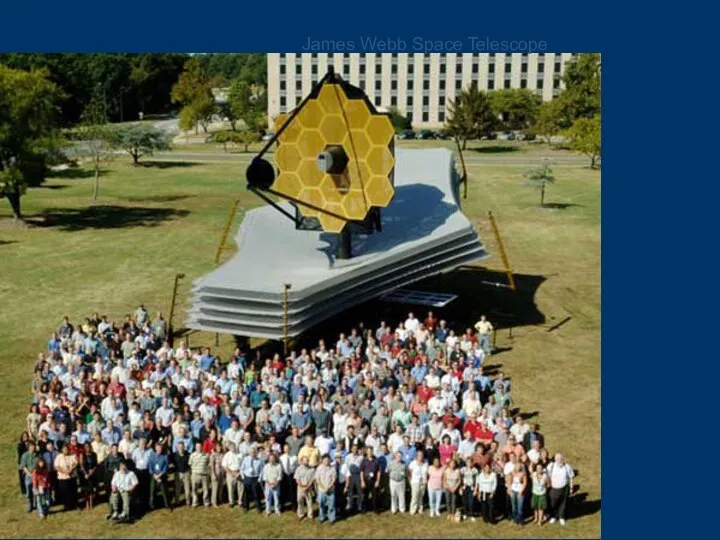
(640, 104)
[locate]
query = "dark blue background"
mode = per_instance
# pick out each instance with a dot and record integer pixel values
(658, 224)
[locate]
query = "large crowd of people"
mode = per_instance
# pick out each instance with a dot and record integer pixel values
(398, 419)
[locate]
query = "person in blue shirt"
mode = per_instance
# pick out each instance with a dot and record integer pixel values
(54, 343)
(407, 450)
(297, 389)
(182, 437)
(225, 419)
(158, 468)
(442, 332)
(257, 396)
(111, 434)
(250, 470)
(223, 383)
(81, 434)
(207, 360)
(300, 420)
(196, 425)
(418, 372)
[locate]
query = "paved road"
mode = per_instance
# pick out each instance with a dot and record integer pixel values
(183, 155)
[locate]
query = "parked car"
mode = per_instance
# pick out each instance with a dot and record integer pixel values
(506, 136)
(442, 134)
(425, 135)
(268, 136)
(406, 135)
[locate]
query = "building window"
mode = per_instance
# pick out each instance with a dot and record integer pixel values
(491, 84)
(442, 84)
(393, 85)
(508, 68)
(558, 66)
(541, 55)
(441, 101)
(378, 69)
(298, 69)
(378, 56)
(282, 85)
(411, 68)
(394, 56)
(314, 69)
(541, 68)
(409, 117)
(425, 117)
(362, 56)
(426, 100)
(393, 69)
(441, 116)
(282, 101)
(523, 67)
(378, 85)
(362, 69)
(282, 56)
(491, 68)
(523, 83)
(377, 101)
(556, 83)
(409, 101)
(475, 68)
(458, 84)
(393, 101)
(507, 83)
(298, 85)
(442, 69)
(410, 85)
(426, 85)
(282, 69)
(426, 68)
(492, 55)
(540, 84)
(313, 55)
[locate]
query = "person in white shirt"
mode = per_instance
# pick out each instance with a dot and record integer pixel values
(561, 477)
(437, 405)
(484, 329)
(411, 323)
(122, 485)
(432, 379)
(533, 454)
(395, 441)
(233, 434)
(418, 474)
(402, 332)
(520, 428)
(485, 487)
(374, 440)
(324, 443)
(231, 466)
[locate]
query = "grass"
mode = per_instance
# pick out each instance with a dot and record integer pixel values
(153, 222)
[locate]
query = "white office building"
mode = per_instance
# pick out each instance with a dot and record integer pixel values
(419, 85)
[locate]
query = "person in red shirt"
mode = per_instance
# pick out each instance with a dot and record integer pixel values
(215, 400)
(483, 434)
(75, 448)
(41, 487)
(116, 388)
(277, 364)
(424, 393)
(451, 418)
(430, 322)
(209, 443)
(473, 426)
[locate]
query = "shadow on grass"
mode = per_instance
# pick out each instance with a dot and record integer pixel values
(560, 206)
(6, 242)
(73, 173)
(156, 198)
(104, 217)
(578, 506)
(167, 164)
(495, 149)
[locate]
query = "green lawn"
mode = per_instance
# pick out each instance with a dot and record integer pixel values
(152, 222)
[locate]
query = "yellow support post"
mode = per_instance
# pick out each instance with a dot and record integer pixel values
(285, 320)
(464, 179)
(178, 277)
(503, 254)
(223, 239)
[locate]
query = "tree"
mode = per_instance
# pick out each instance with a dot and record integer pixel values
(243, 137)
(139, 140)
(95, 138)
(399, 121)
(581, 97)
(549, 119)
(28, 120)
(245, 102)
(194, 92)
(585, 137)
(518, 107)
(470, 115)
(539, 179)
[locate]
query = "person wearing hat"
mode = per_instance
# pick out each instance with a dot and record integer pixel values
(122, 486)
